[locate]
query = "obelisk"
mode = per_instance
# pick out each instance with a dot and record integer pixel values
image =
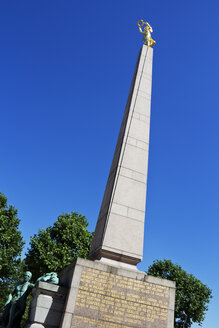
(108, 291)
(119, 231)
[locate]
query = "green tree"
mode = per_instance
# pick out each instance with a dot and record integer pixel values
(11, 245)
(59, 245)
(192, 296)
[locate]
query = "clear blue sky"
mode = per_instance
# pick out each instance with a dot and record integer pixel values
(65, 71)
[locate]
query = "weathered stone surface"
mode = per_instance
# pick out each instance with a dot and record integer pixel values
(46, 309)
(119, 231)
(105, 296)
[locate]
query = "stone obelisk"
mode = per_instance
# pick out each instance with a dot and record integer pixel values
(108, 291)
(119, 231)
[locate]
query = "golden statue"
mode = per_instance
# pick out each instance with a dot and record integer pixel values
(147, 33)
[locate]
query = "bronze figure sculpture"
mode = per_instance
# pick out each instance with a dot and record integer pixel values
(148, 41)
(16, 303)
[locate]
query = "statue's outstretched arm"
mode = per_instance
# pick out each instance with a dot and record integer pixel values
(9, 297)
(141, 30)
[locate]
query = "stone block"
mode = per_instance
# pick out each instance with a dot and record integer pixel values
(139, 130)
(134, 159)
(136, 214)
(130, 193)
(121, 234)
(129, 173)
(47, 306)
(113, 297)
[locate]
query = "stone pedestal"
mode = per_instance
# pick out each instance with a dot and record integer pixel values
(47, 306)
(104, 296)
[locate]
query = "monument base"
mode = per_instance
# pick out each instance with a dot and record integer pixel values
(103, 296)
(47, 306)
(117, 264)
(106, 296)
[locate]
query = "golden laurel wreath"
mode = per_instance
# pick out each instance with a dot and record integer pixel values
(140, 23)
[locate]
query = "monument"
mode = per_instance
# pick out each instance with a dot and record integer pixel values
(108, 290)
(119, 232)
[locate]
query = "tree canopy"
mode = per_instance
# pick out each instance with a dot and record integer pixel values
(59, 245)
(11, 245)
(192, 296)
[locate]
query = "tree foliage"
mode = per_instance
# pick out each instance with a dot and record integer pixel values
(11, 245)
(192, 296)
(59, 245)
